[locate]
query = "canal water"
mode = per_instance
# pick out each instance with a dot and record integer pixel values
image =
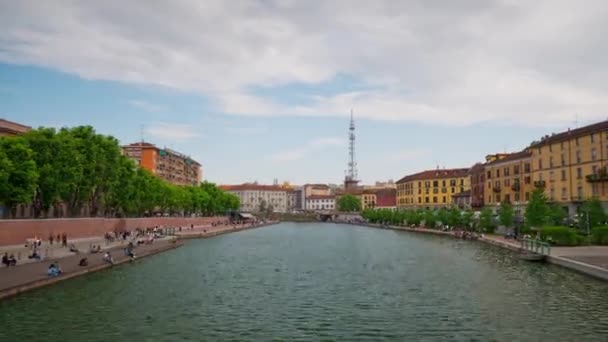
(313, 282)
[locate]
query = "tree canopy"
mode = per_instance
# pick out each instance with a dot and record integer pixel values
(349, 203)
(537, 210)
(80, 168)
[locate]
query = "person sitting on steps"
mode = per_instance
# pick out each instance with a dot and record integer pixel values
(108, 258)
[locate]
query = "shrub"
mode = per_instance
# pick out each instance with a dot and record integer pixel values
(600, 235)
(560, 236)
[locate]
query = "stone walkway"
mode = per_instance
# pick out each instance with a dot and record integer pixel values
(11, 277)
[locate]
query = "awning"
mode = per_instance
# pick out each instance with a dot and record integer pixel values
(246, 215)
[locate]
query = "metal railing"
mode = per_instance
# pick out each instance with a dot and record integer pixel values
(535, 246)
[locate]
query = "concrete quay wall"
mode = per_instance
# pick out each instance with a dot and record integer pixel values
(14, 232)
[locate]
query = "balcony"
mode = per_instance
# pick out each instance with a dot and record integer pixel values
(496, 188)
(515, 186)
(577, 198)
(600, 176)
(540, 184)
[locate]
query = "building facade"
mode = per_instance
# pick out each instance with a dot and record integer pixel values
(462, 200)
(165, 163)
(321, 202)
(10, 129)
(477, 174)
(572, 166)
(509, 179)
(255, 197)
(432, 188)
(386, 198)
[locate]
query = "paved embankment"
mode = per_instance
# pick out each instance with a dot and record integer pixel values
(18, 279)
(207, 232)
(589, 260)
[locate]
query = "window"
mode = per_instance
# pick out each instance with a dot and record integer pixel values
(507, 182)
(419, 199)
(527, 180)
(507, 171)
(453, 190)
(419, 191)
(426, 191)
(444, 190)
(489, 185)
(489, 199)
(435, 190)
(443, 183)
(516, 169)
(593, 153)
(579, 173)
(434, 199)
(461, 182)
(452, 182)
(563, 175)
(420, 184)
(540, 164)
(563, 160)
(551, 161)
(444, 199)
(427, 184)
(527, 167)
(489, 174)
(497, 173)
(592, 138)
(564, 193)
(461, 189)
(435, 184)
(426, 199)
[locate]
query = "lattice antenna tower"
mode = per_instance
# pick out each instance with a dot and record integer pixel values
(352, 164)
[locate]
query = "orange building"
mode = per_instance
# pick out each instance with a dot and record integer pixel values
(10, 129)
(167, 164)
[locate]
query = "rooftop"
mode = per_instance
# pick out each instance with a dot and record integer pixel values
(13, 127)
(569, 134)
(512, 157)
(254, 187)
(319, 197)
(436, 174)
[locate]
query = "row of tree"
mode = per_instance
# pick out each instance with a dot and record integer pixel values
(539, 212)
(78, 168)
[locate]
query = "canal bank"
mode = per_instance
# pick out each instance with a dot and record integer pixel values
(590, 264)
(31, 276)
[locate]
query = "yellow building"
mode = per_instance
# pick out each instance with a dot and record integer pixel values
(509, 179)
(571, 166)
(432, 188)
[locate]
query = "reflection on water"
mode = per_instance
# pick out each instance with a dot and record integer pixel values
(318, 282)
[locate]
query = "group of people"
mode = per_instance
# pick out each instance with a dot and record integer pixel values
(60, 237)
(9, 260)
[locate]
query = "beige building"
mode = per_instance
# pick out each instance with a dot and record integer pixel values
(571, 166)
(254, 196)
(509, 179)
(432, 188)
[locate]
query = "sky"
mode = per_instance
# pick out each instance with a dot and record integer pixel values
(261, 90)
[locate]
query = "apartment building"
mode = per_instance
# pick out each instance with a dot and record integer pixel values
(509, 179)
(571, 166)
(432, 188)
(321, 202)
(167, 164)
(254, 196)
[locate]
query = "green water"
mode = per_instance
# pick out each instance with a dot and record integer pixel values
(314, 282)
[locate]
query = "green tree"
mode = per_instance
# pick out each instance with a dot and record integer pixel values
(455, 218)
(537, 209)
(486, 220)
(556, 214)
(592, 214)
(19, 173)
(349, 203)
(430, 219)
(506, 215)
(467, 218)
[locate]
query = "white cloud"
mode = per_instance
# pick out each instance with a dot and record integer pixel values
(456, 63)
(171, 131)
(147, 106)
(307, 148)
(246, 130)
